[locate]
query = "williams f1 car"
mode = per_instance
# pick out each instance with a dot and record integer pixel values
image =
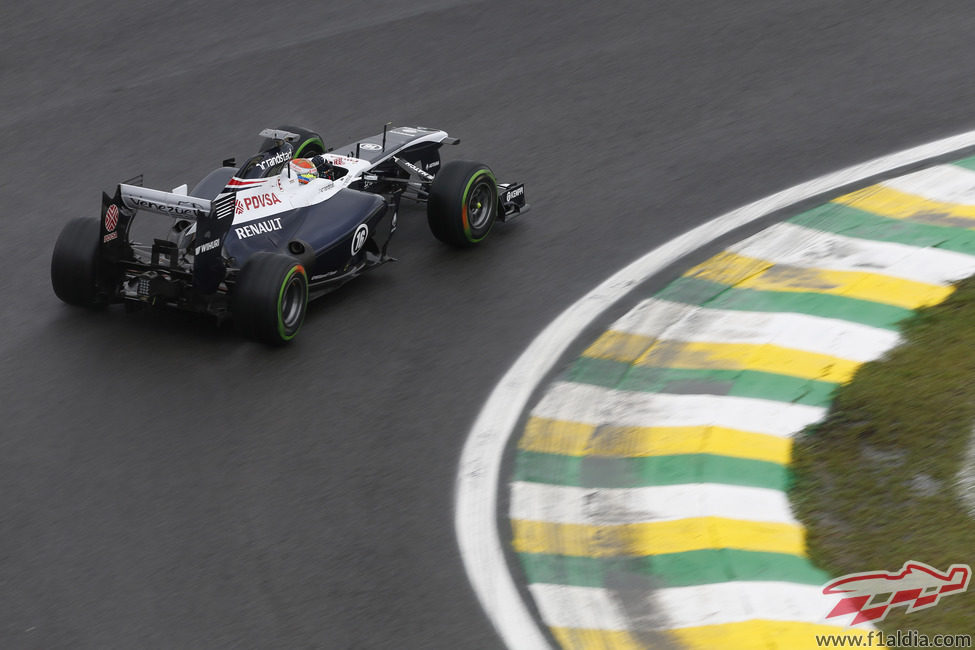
(254, 243)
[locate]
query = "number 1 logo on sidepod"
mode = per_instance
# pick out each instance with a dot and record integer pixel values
(359, 238)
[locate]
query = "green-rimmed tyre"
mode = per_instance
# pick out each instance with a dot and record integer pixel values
(271, 298)
(308, 145)
(74, 264)
(463, 203)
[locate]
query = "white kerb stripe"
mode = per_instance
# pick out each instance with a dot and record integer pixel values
(587, 608)
(944, 183)
(792, 245)
(597, 405)
(679, 607)
(735, 602)
(679, 322)
(559, 504)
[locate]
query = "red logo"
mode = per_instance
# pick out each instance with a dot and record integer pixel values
(111, 217)
(916, 585)
(259, 201)
(238, 207)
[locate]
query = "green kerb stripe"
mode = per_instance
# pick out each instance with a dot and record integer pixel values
(694, 291)
(967, 163)
(600, 471)
(850, 222)
(702, 567)
(738, 383)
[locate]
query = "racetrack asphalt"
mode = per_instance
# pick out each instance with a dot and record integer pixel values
(167, 484)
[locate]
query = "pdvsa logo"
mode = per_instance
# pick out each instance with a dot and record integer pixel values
(257, 201)
(872, 594)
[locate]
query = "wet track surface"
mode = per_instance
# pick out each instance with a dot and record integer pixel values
(164, 483)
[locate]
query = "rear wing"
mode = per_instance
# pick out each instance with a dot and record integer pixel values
(174, 205)
(213, 221)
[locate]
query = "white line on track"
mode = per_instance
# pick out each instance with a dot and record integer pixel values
(475, 506)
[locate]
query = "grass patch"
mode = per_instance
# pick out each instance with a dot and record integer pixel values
(875, 483)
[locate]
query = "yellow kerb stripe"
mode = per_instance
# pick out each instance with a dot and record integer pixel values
(573, 638)
(752, 273)
(768, 635)
(655, 538)
(547, 436)
(696, 355)
(764, 634)
(620, 346)
(895, 204)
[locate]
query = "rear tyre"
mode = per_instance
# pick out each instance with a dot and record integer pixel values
(75, 262)
(271, 298)
(463, 203)
(309, 144)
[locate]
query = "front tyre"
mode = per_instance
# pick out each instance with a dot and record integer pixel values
(74, 264)
(463, 203)
(271, 298)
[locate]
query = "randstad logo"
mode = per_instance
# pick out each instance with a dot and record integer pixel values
(872, 594)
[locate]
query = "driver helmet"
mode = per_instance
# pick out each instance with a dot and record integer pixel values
(304, 170)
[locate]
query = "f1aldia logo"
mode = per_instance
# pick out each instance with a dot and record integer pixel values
(872, 594)
(111, 217)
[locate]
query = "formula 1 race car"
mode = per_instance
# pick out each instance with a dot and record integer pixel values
(254, 243)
